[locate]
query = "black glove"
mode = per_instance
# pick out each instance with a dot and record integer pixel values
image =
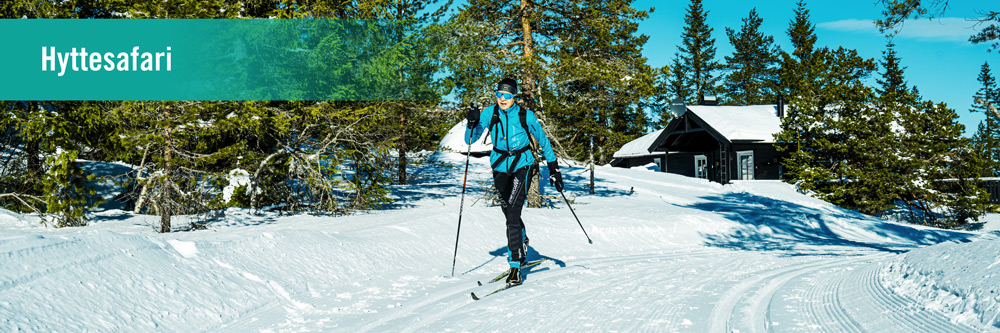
(555, 177)
(473, 115)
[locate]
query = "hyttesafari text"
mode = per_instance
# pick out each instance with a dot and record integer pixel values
(107, 61)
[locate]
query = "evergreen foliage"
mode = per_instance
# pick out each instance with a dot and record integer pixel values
(752, 66)
(697, 54)
(678, 85)
(67, 195)
(898, 11)
(833, 149)
(795, 68)
(875, 150)
(601, 83)
(987, 137)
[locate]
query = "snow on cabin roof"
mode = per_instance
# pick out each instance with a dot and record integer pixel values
(639, 147)
(739, 123)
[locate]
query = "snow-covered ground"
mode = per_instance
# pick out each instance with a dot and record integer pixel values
(670, 253)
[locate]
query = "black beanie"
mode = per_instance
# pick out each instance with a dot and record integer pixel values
(508, 85)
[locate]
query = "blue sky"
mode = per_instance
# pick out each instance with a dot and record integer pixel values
(938, 58)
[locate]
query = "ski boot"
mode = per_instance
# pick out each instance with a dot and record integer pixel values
(514, 277)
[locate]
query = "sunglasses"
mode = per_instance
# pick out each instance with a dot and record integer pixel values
(503, 95)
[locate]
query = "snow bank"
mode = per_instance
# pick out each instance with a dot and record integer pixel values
(958, 279)
(12, 219)
(455, 141)
(991, 222)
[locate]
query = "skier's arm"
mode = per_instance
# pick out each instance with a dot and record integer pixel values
(543, 141)
(550, 156)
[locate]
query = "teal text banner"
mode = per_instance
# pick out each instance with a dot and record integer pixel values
(192, 59)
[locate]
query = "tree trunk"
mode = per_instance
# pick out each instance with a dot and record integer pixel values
(401, 148)
(528, 85)
(163, 203)
(31, 149)
(591, 165)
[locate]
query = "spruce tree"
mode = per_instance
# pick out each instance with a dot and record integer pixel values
(678, 85)
(898, 103)
(796, 67)
(987, 137)
(832, 147)
(603, 79)
(697, 52)
(942, 189)
(752, 66)
(797, 72)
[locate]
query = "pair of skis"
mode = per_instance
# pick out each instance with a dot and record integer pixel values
(503, 276)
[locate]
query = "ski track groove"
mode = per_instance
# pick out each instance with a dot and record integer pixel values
(545, 278)
(242, 322)
(835, 307)
(760, 289)
(824, 310)
(92, 259)
(27, 251)
(902, 309)
(592, 295)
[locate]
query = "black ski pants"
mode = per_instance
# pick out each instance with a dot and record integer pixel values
(512, 190)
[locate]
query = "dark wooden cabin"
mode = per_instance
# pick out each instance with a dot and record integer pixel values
(717, 143)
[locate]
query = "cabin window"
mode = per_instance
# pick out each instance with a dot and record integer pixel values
(745, 160)
(701, 167)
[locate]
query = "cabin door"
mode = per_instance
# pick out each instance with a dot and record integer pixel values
(745, 160)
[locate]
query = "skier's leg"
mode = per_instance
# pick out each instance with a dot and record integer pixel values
(503, 182)
(515, 226)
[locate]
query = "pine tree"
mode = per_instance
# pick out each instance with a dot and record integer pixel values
(677, 83)
(898, 104)
(987, 137)
(828, 135)
(942, 187)
(795, 67)
(752, 66)
(898, 11)
(697, 52)
(415, 122)
(603, 79)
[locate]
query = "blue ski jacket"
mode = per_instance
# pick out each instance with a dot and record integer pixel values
(509, 135)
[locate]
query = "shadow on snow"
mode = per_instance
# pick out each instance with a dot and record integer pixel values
(531, 255)
(767, 224)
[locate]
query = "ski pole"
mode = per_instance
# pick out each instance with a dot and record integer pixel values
(461, 205)
(577, 218)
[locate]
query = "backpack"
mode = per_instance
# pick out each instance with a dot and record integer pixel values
(532, 142)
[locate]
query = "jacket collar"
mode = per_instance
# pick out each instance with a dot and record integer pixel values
(513, 108)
